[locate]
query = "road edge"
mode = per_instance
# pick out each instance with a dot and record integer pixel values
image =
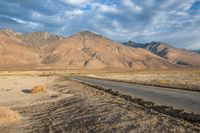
(176, 113)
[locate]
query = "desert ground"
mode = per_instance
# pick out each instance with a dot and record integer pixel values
(188, 79)
(70, 106)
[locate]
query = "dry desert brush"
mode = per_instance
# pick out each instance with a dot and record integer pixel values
(39, 89)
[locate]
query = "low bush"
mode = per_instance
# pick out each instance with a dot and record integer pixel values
(39, 89)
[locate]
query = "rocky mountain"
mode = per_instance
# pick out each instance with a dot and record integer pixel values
(14, 52)
(39, 39)
(174, 55)
(92, 51)
(83, 50)
(131, 43)
(9, 32)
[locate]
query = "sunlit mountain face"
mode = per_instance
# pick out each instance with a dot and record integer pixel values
(176, 22)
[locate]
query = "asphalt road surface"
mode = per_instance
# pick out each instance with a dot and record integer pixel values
(179, 99)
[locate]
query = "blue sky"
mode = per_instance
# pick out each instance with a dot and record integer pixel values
(176, 22)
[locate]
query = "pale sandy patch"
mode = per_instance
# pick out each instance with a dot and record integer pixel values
(15, 90)
(8, 116)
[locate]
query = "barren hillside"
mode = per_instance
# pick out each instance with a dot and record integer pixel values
(89, 50)
(13, 52)
(83, 50)
(174, 55)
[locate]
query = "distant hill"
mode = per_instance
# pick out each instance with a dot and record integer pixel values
(132, 44)
(83, 50)
(196, 51)
(174, 55)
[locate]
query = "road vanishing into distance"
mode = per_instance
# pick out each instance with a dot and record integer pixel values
(178, 99)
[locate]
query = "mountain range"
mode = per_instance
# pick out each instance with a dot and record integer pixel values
(87, 50)
(172, 54)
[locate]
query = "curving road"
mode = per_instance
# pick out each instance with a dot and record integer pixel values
(179, 99)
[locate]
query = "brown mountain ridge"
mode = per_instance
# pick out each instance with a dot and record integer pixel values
(83, 50)
(174, 55)
(14, 52)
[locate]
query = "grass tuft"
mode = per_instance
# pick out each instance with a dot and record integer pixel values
(39, 89)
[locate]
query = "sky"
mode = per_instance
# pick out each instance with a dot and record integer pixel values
(176, 22)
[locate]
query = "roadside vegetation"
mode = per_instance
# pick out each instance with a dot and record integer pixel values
(188, 79)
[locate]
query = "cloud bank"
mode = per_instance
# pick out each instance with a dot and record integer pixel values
(173, 21)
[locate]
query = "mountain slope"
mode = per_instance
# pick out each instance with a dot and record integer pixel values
(13, 51)
(39, 39)
(92, 51)
(83, 50)
(174, 55)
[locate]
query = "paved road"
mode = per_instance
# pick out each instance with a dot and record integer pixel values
(179, 99)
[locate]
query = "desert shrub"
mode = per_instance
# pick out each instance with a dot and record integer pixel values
(164, 81)
(45, 74)
(196, 79)
(8, 116)
(38, 89)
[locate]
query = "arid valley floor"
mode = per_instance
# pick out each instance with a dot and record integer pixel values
(70, 106)
(99, 66)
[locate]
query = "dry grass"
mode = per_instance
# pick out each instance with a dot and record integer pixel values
(188, 79)
(8, 116)
(38, 89)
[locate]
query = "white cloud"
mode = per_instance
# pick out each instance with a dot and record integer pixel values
(41, 17)
(186, 5)
(75, 2)
(173, 21)
(74, 13)
(104, 8)
(181, 14)
(37, 14)
(99, 16)
(132, 6)
(108, 9)
(28, 24)
(167, 3)
(189, 39)
(195, 45)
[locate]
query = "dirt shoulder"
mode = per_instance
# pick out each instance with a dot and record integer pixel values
(69, 106)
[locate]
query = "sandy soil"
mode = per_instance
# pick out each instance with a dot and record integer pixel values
(69, 106)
